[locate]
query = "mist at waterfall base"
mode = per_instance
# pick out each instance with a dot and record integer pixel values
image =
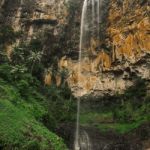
(90, 29)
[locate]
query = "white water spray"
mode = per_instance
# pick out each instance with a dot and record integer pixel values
(89, 29)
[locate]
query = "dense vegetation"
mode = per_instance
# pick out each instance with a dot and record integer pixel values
(121, 113)
(29, 111)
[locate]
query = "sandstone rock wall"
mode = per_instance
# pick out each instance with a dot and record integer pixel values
(57, 19)
(124, 52)
(113, 70)
(33, 15)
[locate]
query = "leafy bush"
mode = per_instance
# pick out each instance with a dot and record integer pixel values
(25, 107)
(121, 113)
(5, 72)
(20, 119)
(8, 35)
(61, 104)
(29, 56)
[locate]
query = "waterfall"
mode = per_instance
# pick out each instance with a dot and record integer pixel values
(90, 22)
(2, 3)
(90, 25)
(85, 142)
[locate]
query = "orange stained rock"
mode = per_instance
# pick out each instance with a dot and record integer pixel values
(131, 27)
(144, 41)
(113, 31)
(51, 17)
(58, 80)
(128, 46)
(73, 79)
(77, 78)
(105, 60)
(88, 85)
(91, 82)
(48, 79)
(86, 66)
(94, 79)
(81, 78)
(63, 63)
(93, 45)
(133, 45)
(9, 51)
(118, 39)
(114, 15)
(144, 24)
(136, 45)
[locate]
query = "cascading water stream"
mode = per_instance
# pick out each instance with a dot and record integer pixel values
(90, 20)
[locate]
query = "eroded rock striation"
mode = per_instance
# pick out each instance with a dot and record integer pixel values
(123, 54)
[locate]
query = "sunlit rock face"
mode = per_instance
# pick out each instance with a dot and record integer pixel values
(123, 54)
(126, 58)
(129, 28)
(55, 23)
(33, 15)
(44, 20)
(96, 77)
(57, 19)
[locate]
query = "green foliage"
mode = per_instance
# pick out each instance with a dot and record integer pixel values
(35, 45)
(5, 72)
(29, 112)
(19, 121)
(3, 55)
(121, 113)
(16, 74)
(61, 104)
(35, 58)
(8, 35)
(29, 57)
(20, 55)
(134, 107)
(72, 6)
(118, 127)
(23, 109)
(94, 118)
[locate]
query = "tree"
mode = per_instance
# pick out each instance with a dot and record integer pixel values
(34, 58)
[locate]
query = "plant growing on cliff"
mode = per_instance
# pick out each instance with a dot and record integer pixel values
(122, 112)
(35, 58)
(61, 102)
(20, 125)
(8, 35)
(29, 55)
(72, 5)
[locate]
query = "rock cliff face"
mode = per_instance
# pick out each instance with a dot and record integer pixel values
(124, 52)
(46, 20)
(30, 16)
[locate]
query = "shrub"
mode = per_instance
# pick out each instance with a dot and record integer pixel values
(8, 35)
(61, 102)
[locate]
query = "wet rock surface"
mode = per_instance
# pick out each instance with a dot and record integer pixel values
(109, 140)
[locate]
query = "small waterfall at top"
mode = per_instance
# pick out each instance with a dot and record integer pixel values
(90, 30)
